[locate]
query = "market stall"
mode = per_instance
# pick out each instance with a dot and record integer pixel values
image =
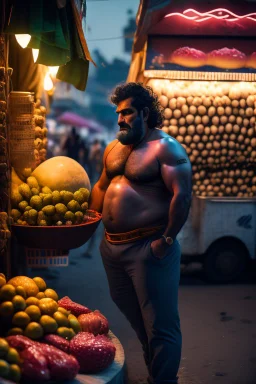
(199, 58)
(44, 205)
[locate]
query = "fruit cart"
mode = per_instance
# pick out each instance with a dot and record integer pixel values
(199, 58)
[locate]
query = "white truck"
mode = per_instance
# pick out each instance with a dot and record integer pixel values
(221, 233)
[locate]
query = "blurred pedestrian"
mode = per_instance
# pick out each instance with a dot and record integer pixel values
(73, 144)
(95, 160)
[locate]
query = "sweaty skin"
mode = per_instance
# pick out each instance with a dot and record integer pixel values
(145, 184)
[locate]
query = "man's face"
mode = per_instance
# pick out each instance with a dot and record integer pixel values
(130, 121)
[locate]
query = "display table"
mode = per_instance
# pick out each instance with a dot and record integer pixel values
(114, 374)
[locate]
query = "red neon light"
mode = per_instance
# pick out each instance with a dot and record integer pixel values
(199, 17)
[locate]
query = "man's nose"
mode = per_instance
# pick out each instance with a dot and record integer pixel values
(120, 118)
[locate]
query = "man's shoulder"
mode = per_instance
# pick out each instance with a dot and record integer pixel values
(169, 143)
(170, 149)
(110, 146)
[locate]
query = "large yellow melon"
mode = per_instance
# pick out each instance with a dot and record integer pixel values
(15, 178)
(28, 284)
(62, 173)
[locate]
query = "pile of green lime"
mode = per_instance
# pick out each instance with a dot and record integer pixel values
(29, 308)
(36, 205)
(9, 362)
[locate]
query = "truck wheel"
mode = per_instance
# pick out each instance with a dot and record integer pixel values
(225, 261)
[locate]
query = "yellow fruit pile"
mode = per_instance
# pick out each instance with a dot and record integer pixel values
(36, 205)
(9, 362)
(41, 131)
(29, 308)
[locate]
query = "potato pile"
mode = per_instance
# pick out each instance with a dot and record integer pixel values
(215, 122)
(40, 141)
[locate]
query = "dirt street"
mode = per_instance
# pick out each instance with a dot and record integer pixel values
(218, 322)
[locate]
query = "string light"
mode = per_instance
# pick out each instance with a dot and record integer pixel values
(23, 40)
(53, 71)
(35, 53)
(48, 84)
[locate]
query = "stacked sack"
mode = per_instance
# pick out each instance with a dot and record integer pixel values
(215, 123)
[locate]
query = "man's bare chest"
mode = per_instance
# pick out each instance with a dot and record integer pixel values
(139, 164)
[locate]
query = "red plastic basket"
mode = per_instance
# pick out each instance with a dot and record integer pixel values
(57, 237)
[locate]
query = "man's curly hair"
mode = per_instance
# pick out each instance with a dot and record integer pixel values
(143, 96)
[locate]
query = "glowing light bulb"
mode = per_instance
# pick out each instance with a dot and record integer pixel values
(53, 71)
(35, 53)
(48, 84)
(23, 40)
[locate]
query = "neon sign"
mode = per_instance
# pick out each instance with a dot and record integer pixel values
(218, 13)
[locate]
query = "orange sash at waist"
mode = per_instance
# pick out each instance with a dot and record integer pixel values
(128, 237)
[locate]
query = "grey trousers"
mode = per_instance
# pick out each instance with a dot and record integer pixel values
(145, 289)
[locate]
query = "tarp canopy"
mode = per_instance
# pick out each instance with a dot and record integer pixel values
(78, 121)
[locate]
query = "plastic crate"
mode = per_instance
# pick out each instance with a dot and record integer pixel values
(40, 258)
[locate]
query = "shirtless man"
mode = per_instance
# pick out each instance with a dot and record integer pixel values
(144, 195)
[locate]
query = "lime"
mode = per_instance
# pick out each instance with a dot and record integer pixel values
(4, 347)
(19, 303)
(21, 319)
(14, 373)
(40, 295)
(34, 312)
(7, 292)
(51, 294)
(4, 369)
(40, 283)
(61, 319)
(15, 331)
(21, 291)
(72, 333)
(6, 308)
(13, 356)
(74, 323)
(2, 281)
(32, 301)
(48, 306)
(49, 324)
(66, 333)
(34, 331)
(64, 311)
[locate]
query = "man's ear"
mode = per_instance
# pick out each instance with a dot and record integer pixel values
(145, 113)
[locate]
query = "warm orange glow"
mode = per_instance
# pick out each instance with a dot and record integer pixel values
(197, 75)
(53, 71)
(23, 39)
(218, 13)
(35, 53)
(48, 84)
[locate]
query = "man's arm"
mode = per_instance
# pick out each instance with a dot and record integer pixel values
(98, 192)
(177, 176)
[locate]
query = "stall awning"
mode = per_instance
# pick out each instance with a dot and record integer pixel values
(78, 121)
(56, 30)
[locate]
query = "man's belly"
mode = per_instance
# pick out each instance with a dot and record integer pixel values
(128, 205)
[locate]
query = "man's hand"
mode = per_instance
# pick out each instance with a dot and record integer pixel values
(159, 248)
